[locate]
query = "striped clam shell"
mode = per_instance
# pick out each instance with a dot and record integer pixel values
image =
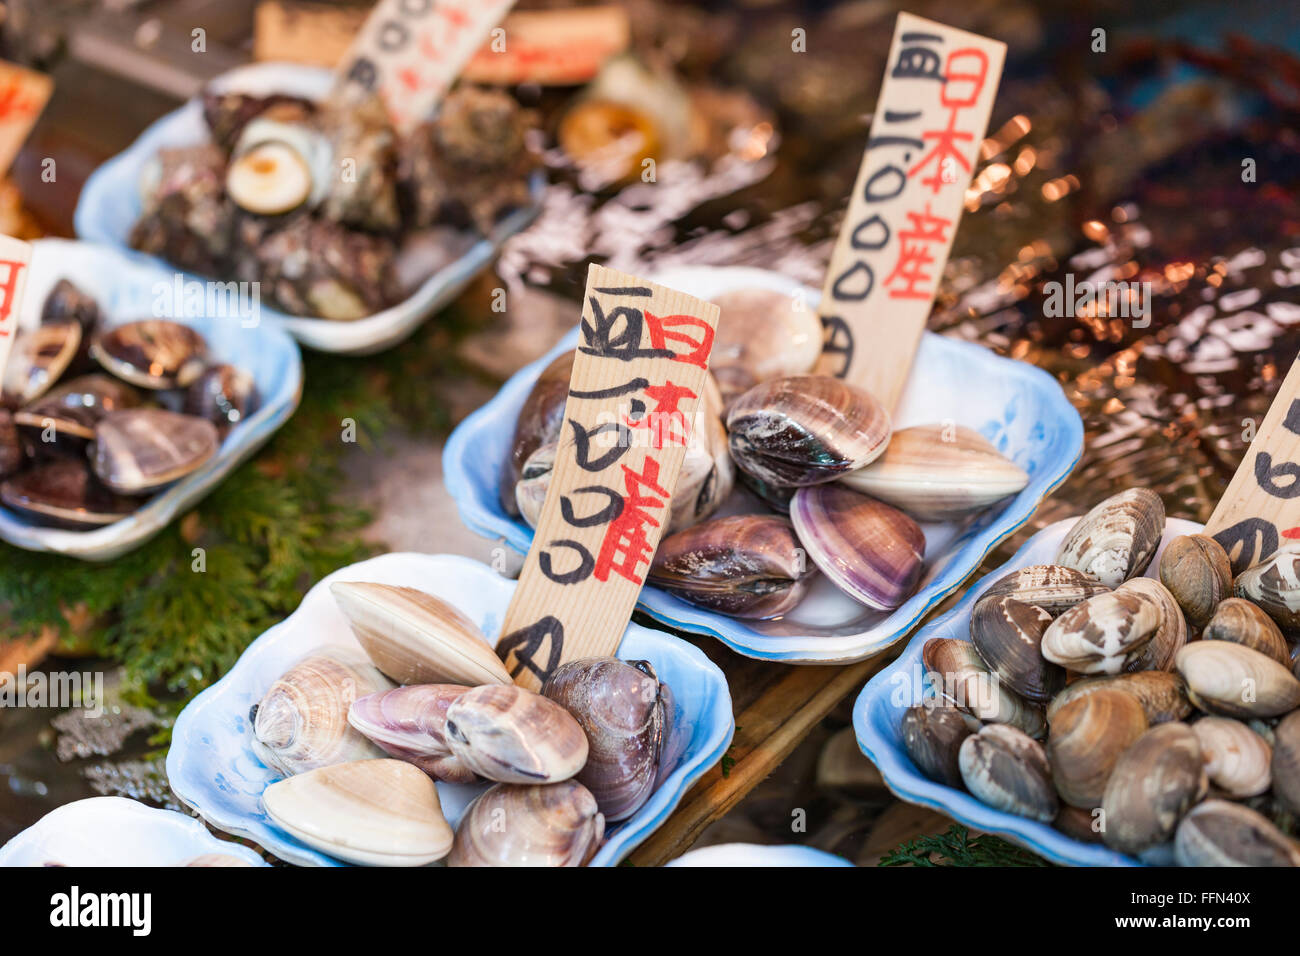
(1006, 634)
(763, 335)
(1222, 833)
(1235, 681)
(410, 723)
(1117, 539)
(1154, 782)
(1170, 636)
(152, 353)
(1162, 694)
(1274, 584)
(1103, 634)
(1008, 770)
(961, 679)
(140, 449)
(1051, 587)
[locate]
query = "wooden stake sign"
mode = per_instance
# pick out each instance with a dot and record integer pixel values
(410, 52)
(1260, 511)
(637, 379)
(23, 94)
(15, 257)
(929, 122)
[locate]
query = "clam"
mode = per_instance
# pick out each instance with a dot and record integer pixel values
(1086, 739)
(869, 550)
(511, 735)
(301, 722)
(1170, 636)
(38, 358)
(67, 303)
(962, 680)
(626, 714)
(138, 450)
(932, 737)
(369, 812)
(1103, 634)
(538, 423)
(939, 473)
(416, 638)
(12, 456)
(152, 353)
(557, 824)
(1162, 694)
(223, 394)
(707, 476)
(1008, 770)
(1221, 833)
(217, 860)
(1154, 782)
(748, 566)
(1051, 587)
(1078, 823)
(64, 493)
(63, 420)
(410, 723)
(1007, 634)
(1117, 539)
(1241, 622)
(534, 482)
(1195, 569)
(1274, 585)
(764, 335)
(1236, 758)
(1235, 681)
(1286, 762)
(805, 430)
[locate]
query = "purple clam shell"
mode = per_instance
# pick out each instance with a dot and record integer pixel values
(409, 723)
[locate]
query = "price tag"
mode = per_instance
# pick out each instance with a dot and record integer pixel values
(23, 94)
(15, 257)
(637, 380)
(410, 52)
(1260, 511)
(929, 122)
(552, 47)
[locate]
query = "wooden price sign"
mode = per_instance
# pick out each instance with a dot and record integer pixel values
(23, 94)
(552, 47)
(637, 379)
(15, 257)
(410, 52)
(1260, 511)
(929, 122)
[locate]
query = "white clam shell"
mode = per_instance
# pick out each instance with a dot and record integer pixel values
(1117, 539)
(1236, 758)
(1103, 633)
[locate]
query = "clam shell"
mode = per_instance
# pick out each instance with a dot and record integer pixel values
(962, 680)
(1154, 782)
(1008, 770)
(1236, 758)
(1117, 539)
(369, 812)
(1079, 824)
(932, 737)
(64, 493)
(805, 430)
(1162, 694)
(1286, 762)
(748, 566)
(1274, 585)
(1051, 587)
(67, 303)
(870, 551)
(152, 353)
(416, 638)
(511, 735)
(1170, 636)
(1086, 739)
(68, 414)
(762, 335)
(38, 358)
(223, 394)
(410, 723)
(1235, 681)
(534, 482)
(1006, 634)
(939, 473)
(1241, 622)
(301, 722)
(1195, 569)
(538, 423)
(626, 714)
(1103, 633)
(707, 475)
(138, 450)
(1220, 833)
(556, 824)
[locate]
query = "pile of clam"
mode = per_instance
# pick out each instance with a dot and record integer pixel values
(361, 740)
(95, 419)
(812, 447)
(1157, 716)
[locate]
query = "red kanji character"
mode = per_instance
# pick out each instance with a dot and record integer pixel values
(13, 101)
(665, 420)
(626, 544)
(969, 80)
(914, 258)
(700, 348)
(973, 75)
(7, 287)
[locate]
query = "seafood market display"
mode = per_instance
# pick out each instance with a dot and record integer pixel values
(361, 739)
(95, 417)
(1157, 715)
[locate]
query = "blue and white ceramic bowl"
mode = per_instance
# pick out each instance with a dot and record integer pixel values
(757, 855)
(110, 205)
(127, 289)
(115, 831)
(878, 713)
(1019, 408)
(212, 767)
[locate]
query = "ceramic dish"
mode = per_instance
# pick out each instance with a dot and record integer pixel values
(212, 767)
(110, 205)
(115, 831)
(756, 855)
(1019, 408)
(879, 711)
(125, 288)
